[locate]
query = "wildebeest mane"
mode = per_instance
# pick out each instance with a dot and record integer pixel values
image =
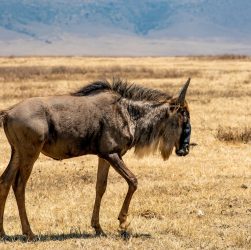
(93, 88)
(124, 89)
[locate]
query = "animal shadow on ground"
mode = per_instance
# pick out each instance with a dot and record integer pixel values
(49, 237)
(61, 237)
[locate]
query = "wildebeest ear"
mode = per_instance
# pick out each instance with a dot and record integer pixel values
(182, 95)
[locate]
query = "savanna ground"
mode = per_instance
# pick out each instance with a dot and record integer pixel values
(202, 201)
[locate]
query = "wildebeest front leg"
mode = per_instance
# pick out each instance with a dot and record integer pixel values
(103, 169)
(116, 161)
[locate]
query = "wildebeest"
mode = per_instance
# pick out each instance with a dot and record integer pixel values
(102, 119)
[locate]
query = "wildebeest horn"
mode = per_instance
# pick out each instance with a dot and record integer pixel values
(182, 94)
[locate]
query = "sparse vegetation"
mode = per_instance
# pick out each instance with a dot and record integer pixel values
(202, 201)
(44, 73)
(229, 134)
(223, 57)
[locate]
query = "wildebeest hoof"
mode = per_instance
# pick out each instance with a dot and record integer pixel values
(2, 235)
(30, 236)
(125, 234)
(100, 233)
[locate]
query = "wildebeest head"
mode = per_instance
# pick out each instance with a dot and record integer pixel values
(182, 145)
(178, 127)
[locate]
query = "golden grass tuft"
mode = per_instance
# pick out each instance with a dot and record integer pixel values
(229, 134)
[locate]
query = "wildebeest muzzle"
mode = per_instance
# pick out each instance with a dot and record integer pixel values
(183, 149)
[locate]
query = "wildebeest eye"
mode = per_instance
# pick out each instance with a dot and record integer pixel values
(185, 115)
(185, 118)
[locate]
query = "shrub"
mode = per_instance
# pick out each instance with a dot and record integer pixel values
(229, 134)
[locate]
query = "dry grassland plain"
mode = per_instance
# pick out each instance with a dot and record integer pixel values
(202, 201)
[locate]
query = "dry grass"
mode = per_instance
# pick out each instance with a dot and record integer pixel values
(223, 57)
(229, 134)
(45, 73)
(202, 201)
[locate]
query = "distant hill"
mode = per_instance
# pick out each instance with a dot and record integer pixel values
(117, 27)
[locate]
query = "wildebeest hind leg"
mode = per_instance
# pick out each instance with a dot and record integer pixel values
(103, 169)
(5, 183)
(116, 161)
(27, 157)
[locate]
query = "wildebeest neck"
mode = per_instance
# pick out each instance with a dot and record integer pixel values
(150, 121)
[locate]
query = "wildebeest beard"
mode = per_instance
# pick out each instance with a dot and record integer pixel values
(166, 141)
(160, 133)
(170, 138)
